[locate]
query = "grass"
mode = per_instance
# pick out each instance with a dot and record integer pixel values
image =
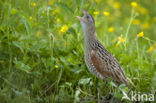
(42, 50)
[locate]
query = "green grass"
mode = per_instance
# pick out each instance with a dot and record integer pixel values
(38, 64)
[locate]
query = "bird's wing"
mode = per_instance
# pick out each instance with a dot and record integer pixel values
(108, 66)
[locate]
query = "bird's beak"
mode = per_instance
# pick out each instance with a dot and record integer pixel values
(82, 18)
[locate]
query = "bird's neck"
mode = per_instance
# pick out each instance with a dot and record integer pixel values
(89, 36)
(89, 33)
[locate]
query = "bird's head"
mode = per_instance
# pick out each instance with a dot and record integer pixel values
(87, 21)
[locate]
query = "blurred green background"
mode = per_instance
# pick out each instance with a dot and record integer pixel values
(42, 49)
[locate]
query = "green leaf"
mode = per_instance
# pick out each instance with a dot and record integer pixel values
(72, 30)
(154, 80)
(113, 84)
(77, 98)
(64, 60)
(84, 81)
(81, 3)
(122, 86)
(18, 46)
(27, 26)
(68, 84)
(65, 7)
(12, 20)
(21, 66)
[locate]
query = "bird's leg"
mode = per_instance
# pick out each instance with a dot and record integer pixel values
(97, 85)
(98, 98)
(105, 81)
(108, 95)
(97, 89)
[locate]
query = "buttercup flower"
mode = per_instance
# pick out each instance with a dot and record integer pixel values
(154, 19)
(30, 17)
(51, 2)
(63, 29)
(141, 34)
(106, 13)
(38, 34)
(56, 66)
(120, 40)
(134, 4)
(145, 25)
(58, 20)
(136, 22)
(34, 4)
(97, 0)
(117, 5)
(57, 10)
(150, 49)
(143, 10)
(111, 29)
(155, 44)
(96, 13)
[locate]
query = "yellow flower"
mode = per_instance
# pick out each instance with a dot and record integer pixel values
(34, 4)
(145, 25)
(136, 22)
(134, 4)
(150, 49)
(117, 5)
(120, 40)
(30, 17)
(143, 10)
(154, 19)
(63, 29)
(96, 13)
(51, 2)
(38, 34)
(111, 29)
(58, 20)
(97, 0)
(106, 13)
(57, 10)
(141, 34)
(56, 66)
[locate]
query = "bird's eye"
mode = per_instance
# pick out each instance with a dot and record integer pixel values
(87, 17)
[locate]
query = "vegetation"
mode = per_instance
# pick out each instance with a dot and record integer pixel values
(42, 49)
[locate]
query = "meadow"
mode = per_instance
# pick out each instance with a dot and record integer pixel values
(42, 50)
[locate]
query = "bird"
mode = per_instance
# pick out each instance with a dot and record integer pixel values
(98, 59)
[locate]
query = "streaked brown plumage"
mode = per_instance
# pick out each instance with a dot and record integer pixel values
(98, 60)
